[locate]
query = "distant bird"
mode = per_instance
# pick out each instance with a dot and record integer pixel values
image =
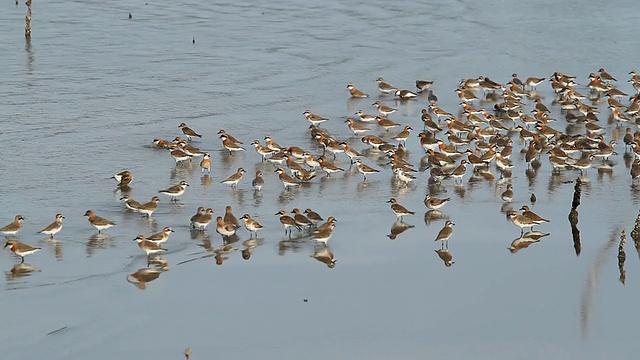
(446, 232)
(205, 164)
(98, 222)
(398, 209)
(435, 203)
(507, 195)
(20, 249)
(364, 169)
(385, 87)
(251, 225)
(313, 216)
(188, 131)
(526, 212)
(148, 247)
(423, 85)
(175, 190)
(54, 227)
(14, 227)
(235, 178)
(355, 93)
(258, 181)
(123, 178)
(323, 233)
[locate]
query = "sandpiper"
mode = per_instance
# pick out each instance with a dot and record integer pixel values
(54, 227)
(446, 232)
(161, 237)
(398, 209)
(287, 221)
(175, 190)
(355, 93)
(435, 203)
(188, 131)
(258, 181)
(98, 222)
(20, 249)
(251, 225)
(148, 247)
(323, 233)
(148, 208)
(235, 178)
(365, 169)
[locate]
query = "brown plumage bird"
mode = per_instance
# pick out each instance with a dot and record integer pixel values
(446, 231)
(188, 131)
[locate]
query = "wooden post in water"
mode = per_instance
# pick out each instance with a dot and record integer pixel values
(27, 19)
(622, 256)
(573, 217)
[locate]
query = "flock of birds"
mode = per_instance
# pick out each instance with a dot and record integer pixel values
(479, 136)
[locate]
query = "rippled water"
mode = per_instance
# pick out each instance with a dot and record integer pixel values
(86, 97)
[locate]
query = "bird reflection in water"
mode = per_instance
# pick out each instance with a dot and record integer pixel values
(141, 277)
(525, 240)
(98, 241)
(324, 254)
(445, 255)
(290, 245)
(20, 270)
(433, 216)
(249, 245)
(222, 253)
(205, 180)
(56, 245)
(398, 228)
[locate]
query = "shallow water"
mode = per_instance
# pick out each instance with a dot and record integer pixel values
(86, 97)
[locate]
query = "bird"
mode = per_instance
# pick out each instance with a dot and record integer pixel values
(258, 181)
(230, 145)
(532, 82)
(175, 190)
(148, 208)
(507, 195)
(235, 178)
(202, 218)
(130, 203)
(635, 170)
(398, 209)
(403, 135)
(526, 212)
(98, 222)
(161, 237)
(205, 164)
(20, 249)
(313, 216)
(231, 138)
(229, 218)
(323, 233)
(224, 229)
(148, 247)
(446, 232)
(355, 93)
(365, 169)
(423, 85)
(251, 225)
(286, 179)
(385, 87)
(520, 221)
(384, 109)
(123, 178)
(435, 203)
(405, 94)
(14, 227)
(178, 154)
(301, 220)
(356, 128)
(54, 227)
(328, 166)
(188, 131)
(288, 222)
(313, 118)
